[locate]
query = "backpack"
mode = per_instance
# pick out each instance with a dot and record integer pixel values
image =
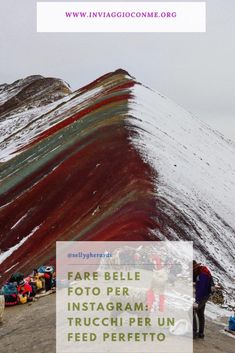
(231, 323)
(10, 293)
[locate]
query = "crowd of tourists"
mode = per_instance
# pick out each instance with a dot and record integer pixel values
(19, 289)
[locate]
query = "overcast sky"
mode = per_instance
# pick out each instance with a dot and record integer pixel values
(196, 70)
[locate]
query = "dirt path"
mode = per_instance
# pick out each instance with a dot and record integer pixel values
(215, 341)
(31, 328)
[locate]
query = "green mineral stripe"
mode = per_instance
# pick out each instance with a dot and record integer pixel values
(15, 170)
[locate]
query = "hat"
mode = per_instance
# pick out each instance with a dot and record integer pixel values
(48, 269)
(22, 282)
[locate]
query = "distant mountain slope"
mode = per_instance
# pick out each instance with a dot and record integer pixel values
(113, 160)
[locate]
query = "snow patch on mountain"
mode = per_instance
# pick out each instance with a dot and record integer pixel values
(195, 168)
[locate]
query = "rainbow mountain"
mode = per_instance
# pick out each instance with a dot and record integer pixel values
(113, 160)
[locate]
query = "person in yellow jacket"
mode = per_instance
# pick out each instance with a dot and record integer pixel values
(37, 279)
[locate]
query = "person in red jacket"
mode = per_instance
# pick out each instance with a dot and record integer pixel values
(203, 283)
(25, 290)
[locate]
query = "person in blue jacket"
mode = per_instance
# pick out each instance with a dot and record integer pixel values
(203, 283)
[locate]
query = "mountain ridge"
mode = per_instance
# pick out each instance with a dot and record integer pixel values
(114, 160)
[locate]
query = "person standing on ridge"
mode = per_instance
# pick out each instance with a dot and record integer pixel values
(203, 284)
